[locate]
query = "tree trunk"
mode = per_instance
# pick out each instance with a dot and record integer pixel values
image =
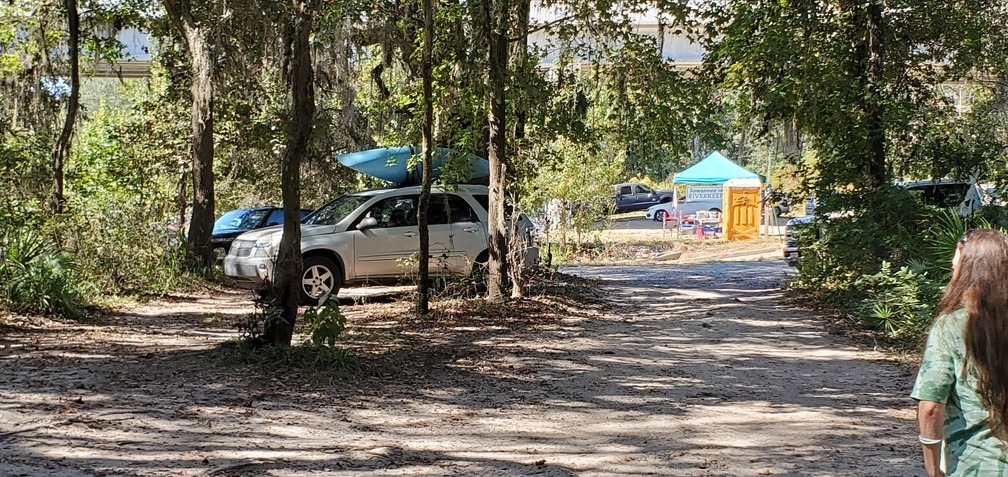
(289, 265)
(875, 109)
(426, 67)
(62, 147)
(182, 204)
(791, 147)
(201, 222)
(520, 54)
(495, 19)
(201, 65)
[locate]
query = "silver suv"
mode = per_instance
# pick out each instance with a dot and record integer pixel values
(372, 236)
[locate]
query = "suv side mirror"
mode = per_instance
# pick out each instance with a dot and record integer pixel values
(367, 223)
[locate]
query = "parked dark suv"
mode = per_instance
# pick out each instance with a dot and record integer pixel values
(236, 222)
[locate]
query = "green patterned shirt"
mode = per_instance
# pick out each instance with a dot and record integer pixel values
(970, 448)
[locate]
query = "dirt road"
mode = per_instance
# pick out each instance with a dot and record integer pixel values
(700, 371)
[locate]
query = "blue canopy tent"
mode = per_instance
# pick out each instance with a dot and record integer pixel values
(715, 169)
(391, 163)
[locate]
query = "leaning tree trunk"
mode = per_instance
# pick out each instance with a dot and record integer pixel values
(201, 64)
(495, 21)
(423, 298)
(62, 147)
(287, 272)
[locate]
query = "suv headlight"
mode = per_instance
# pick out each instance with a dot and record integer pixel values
(264, 248)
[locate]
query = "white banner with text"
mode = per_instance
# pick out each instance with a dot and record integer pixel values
(705, 193)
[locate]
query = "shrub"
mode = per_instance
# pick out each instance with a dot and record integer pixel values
(900, 303)
(123, 244)
(123, 184)
(995, 215)
(35, 277)
(942, 237)
(839, 248)
(325, 322)
(886, 267)
(307, 357)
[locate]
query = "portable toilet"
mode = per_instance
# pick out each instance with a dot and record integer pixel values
(741, 206)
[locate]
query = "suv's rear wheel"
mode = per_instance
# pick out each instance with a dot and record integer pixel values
(320, 276)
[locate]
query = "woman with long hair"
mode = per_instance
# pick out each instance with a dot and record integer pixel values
(962, 385)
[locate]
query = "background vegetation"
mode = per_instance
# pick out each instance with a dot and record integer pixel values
(834, 99)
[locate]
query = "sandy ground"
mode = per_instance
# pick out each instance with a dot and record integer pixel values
(688, 370)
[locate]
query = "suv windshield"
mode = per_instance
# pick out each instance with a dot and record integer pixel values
(335, 211)
(241, 219)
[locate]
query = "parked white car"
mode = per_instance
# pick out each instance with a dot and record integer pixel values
(669, 210)
(660, 211)
(372, 236)
(963, 196)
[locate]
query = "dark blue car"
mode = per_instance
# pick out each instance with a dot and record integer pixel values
(237, 222)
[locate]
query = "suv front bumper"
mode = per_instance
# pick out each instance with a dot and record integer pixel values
(248, 267)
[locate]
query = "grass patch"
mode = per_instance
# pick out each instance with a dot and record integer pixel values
(305, 356)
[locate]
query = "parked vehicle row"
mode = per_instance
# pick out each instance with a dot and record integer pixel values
(373, 236)
(962, 195)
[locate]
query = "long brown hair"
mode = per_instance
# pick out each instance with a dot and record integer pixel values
(980, 284)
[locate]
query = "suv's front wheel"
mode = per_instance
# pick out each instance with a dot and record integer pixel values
(320, 276)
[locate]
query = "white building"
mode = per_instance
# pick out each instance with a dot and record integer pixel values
(136, 58)
(674, 47)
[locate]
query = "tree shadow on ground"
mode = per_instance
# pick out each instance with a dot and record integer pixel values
(698, 382)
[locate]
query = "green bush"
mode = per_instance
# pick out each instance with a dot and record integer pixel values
(900, 303)
(941, 238)
(24, 180)
(995, 215)
(838, 248)
(304, 357)
(123, 245)
(252, 328)
(35, 277)
(325, 322)
(886, 266)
